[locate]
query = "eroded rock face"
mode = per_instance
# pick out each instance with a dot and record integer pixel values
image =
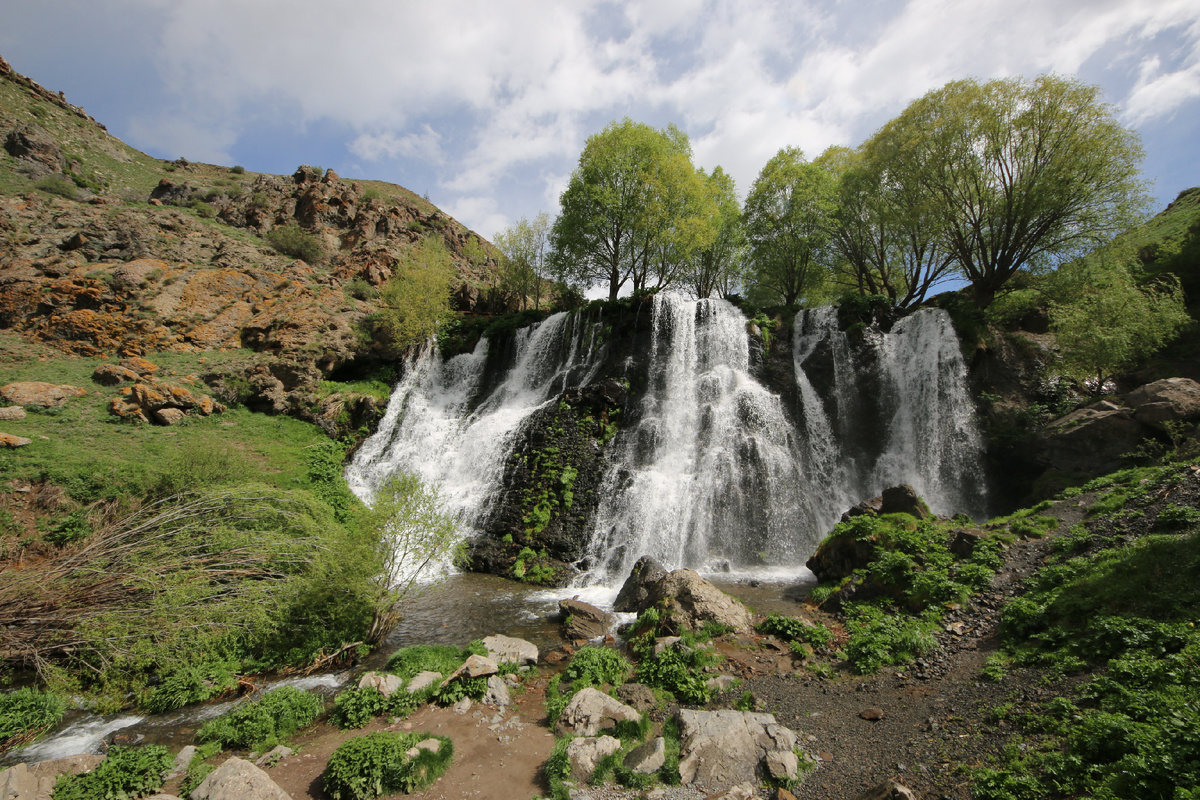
(1090, 440)
(34, 143)
(583, 621)
(721, 749)
(1162, 402)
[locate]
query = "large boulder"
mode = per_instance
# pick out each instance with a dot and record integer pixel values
(36, 781)
(237, 779)
(688, 602)
(509, 650)
(583, 621)
(635, 591)
(722, 749)
(387, 685)
(1090, 440)
(591, 711)
(903, 499)
(585, 754)
(1162, 402)
(38, 393)
(648, 757)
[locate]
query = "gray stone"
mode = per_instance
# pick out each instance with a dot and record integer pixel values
(463, 706)
(591, 711)
(18, 783)
(583, 620)
(1090, 440)
(509, 650)
(721, 683)
(584, 755)
(647, 758)
(387, 685)
(637, 696)
(664, 643)
(182, 759)
(497, 693)
(1162, 402)
(634, 593)
(722, 749)
(422, 680)
(743, 791)
(432, 745)
(12, 413)
(237, 779)
(169, 415)
(273, 756)
(688, 602)
(474, 667)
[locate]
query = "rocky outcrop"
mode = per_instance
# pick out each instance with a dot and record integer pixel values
(1090, 440)
(39, 393)
(721, 749)
(687, 601)
(35, 144)
(591, 711)
(635, 591)
(161, 403)
(1161, 403)
(238, 780)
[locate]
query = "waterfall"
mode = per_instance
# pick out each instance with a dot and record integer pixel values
(438, 427)
(711, 468)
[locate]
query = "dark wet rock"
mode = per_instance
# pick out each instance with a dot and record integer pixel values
(635, 592)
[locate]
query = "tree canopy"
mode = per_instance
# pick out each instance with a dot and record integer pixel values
(717, 268)
(524, 247)
(1014, 173)
(634, 210)
(787, 216)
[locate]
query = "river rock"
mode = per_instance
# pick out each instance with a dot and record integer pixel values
(688, 602)
(12, 413)
(510, 650)
(422, 680)
(18, 783)
(584, 755)
(903, 499)
(386, 685)
(39, 393)
(635, 590)
(1169, 400)
(583, 621)
(721, 749)
(473, 667)
(591, 711)
(743, 791)
(182, 759)
(648, 757)
(237, 779)
(114, 375)
(273, 756)
(1090, 440)
(888, 790)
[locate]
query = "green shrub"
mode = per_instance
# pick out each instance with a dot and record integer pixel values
(792, 629)
(238, 170)
(197, 770)
(27, 712)
(265, 722)
(679, 672)
(75, 527)
(354, 708)
(376, 764)
(293, 241)
(596, 666)
(192, 683)
(1174, 516)
(126, 772)
(58, 185)
(879, 638)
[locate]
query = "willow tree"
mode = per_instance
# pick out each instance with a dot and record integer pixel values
(788, 215)
(1016, 173)
(634, 208)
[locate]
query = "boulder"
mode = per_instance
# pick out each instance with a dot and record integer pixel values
(139, 365)
(637, 696)
(1090, 440)
(583, 620)
(1169, 400)
(18, 783)
(38, 393)
(114, 375)
(12, 413)
(721, 683)
(963, 541)
(386, 685)
(169, 416)
(743, 791)
(866, 507)
(903, 499)
(36, 781)
(585, 754)
(422, 680)
(888, 790)
(591, 711)
(688, 602)
(473, 667)
(10, 440)
(509, 650)
(34, 143)
(273, 756)
(648, 757)
(182, 759)
(635, 593)
(722, 749)
(237, 779)
(497, 693)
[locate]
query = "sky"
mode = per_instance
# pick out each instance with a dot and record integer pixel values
(484, 107)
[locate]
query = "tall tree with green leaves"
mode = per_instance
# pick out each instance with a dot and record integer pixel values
(524, 247)
(717, 268)
(1017, 173)
(788, 218)
(416, 299)
(634, 208)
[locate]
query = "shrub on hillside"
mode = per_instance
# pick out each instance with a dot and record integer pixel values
(292, 241)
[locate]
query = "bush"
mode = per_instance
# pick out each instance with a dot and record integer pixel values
(265, 722)
(27, 712)
(59, 186)
(292, 241)
(238, 170)
(792, 629)
(596, 666)
(678, 672)
(126, 772)
(878, 638)
(376, 764)
(192, 683)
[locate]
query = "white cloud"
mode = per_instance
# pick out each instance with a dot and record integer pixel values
(425, 145)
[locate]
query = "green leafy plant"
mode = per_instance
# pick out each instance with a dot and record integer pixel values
(597, 666)
(376, 764)
(878, 638)
(265, 722)
(25, 713)
(791, 629)
(125, 772)
(192, 683)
